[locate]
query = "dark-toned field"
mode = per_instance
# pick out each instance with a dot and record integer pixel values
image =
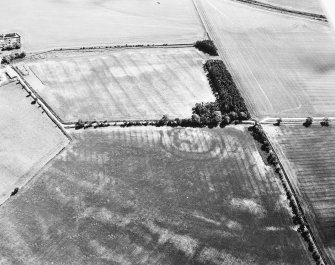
(28, 139)
(124, 84)
(308, 156)
(153, 196)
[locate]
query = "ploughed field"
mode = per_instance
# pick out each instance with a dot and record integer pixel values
(49, 24)
(153, 196)
(310, 6)
(28, 139)
(308, 157)
(283, 65)
(123, 84)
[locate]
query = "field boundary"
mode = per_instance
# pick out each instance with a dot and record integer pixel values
(283, 10)
(293, 121)
(111, 48)
(296, 198)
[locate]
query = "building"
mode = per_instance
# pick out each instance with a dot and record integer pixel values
(10, 40)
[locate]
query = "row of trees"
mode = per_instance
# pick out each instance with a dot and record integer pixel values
(297, 216)
(15, 46)
(11, 57)
(206, 46)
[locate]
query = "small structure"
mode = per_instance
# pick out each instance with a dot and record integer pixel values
(10, 41)
(10, 73)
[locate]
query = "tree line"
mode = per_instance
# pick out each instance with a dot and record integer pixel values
(11, 57)
(206, 46)
(297, 214)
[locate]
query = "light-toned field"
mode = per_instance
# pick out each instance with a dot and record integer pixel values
(283, 65)
(49, 24)
(28, 139)
(153, 196)
(310, 6)
(308, 156)
(122, 84)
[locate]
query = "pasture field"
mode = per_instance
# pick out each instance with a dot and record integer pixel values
(283, 65)
(124, 84)
(308, 157)
(49, 24)
(28, 139)
(153, 196)
(310, 6)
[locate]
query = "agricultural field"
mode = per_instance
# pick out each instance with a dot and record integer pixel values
(308, 157)
(282, 64)
(153, 196)
(310, 6)
(49, 24)
(123, 84)
(28, 139)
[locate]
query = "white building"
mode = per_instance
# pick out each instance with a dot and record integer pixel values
(10, 40)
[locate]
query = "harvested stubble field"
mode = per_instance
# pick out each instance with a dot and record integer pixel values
(308, 157)
(153, 196)
(49, 24)
(283, 65)
(28, 139)
(310, 6)
(124, 84)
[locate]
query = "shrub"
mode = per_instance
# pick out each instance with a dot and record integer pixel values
(164, 120)
(308, 122)
(79, 124)
(278, 122)
(325, 122)
(195, 119)
(16, 190)
(216, 118)
(206, 46)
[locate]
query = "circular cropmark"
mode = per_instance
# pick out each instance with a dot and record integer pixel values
(193, 143)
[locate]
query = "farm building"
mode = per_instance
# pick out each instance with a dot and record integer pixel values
(10, 40)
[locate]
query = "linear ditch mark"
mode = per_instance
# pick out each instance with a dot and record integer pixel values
(283, 10)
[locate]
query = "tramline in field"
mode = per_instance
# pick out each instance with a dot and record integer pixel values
(282, 64)
(308, 157)
(154, 196)
(29, 139)
(123, 84)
